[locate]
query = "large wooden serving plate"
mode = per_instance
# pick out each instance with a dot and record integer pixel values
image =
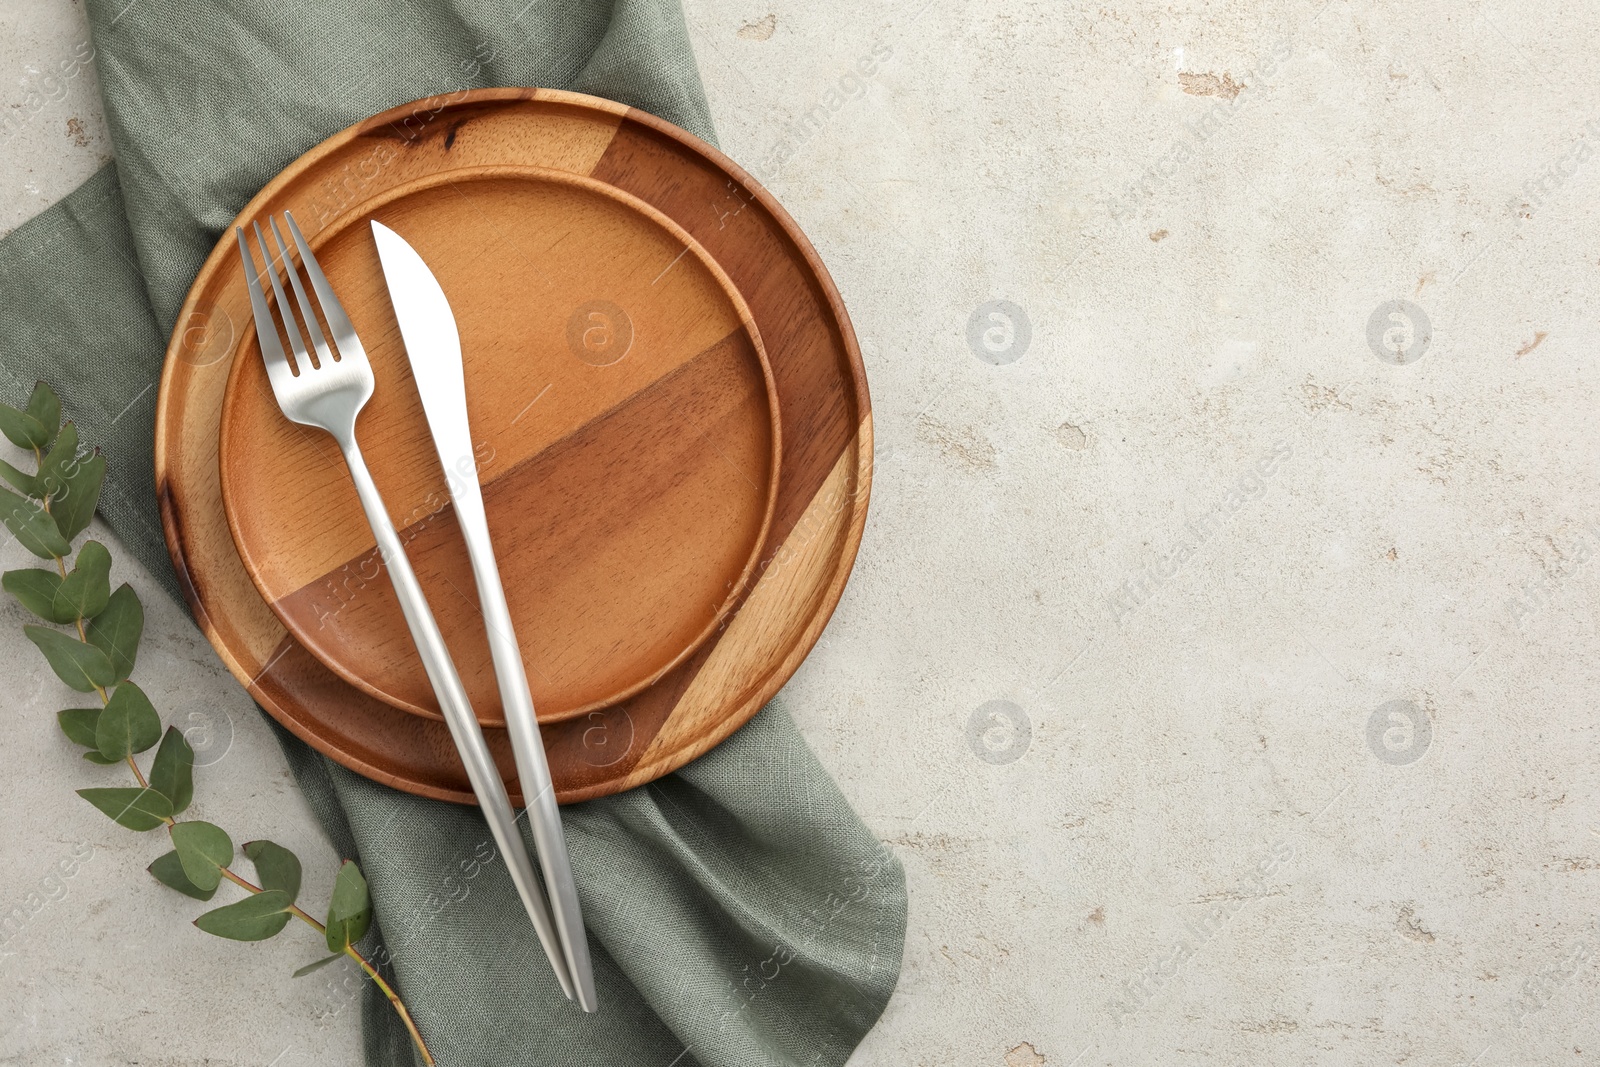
(625, 426)
(824, 411)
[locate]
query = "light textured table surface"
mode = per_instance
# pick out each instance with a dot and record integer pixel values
(1234, 386)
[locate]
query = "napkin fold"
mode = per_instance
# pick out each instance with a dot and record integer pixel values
(740, 912)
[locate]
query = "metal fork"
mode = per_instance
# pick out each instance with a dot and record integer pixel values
(327, 390)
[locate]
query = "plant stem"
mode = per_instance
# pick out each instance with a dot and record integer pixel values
(236, 880)
(351, 951)
(394, 999)
(137, 773)
(293, 910)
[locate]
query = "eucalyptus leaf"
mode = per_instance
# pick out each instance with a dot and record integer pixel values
(317, 966)
(117, 629)
(137, 809)
(45, 407)
(128, 724)
(172, 772)
(35, 589)
(22, 429)
(255, 918)
(168, 870)
(79, 725)
(84, 592)
(142, 714)
(94, 756)
(204, 849)
(25, 483)
(73, 506)
(113, 734)
(34, 528)
(59, 462)
(276, 866)
(81, 666)
(350, 910)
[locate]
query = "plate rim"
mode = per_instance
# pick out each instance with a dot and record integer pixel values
(852, 532)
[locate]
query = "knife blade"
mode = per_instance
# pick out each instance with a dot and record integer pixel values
(433, 347)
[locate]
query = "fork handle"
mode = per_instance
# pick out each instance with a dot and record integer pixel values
(458, 713)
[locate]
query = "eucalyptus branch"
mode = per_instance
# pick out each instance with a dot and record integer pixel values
(92, 644)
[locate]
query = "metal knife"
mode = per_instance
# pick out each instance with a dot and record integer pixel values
(433, 346)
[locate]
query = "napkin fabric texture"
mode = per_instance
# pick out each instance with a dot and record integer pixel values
(741, 915)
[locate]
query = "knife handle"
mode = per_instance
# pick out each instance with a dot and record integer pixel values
(458, 713)
(527, 745)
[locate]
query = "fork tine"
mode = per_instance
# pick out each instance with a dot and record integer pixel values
(290, 327)
(308, 310)
(266, 329)
(343, 332)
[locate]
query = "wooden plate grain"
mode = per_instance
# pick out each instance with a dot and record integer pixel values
(625, 427)
(824, 471)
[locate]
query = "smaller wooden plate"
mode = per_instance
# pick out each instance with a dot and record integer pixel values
(625, 424)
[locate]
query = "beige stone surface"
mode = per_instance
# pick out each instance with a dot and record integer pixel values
(1220, 659)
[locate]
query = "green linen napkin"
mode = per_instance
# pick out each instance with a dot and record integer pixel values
(741, 914)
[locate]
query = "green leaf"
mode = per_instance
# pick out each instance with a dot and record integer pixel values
(35, 589)
(204, 849)
(137, 809)
(350, 910)
(79, 665)
(128, 724)
(276, 867)
(26, 484)
(23, 429)
(255, 918)
(84, 593)
(169, 872)
(59, 462)
(323, 962)
(35, 529)
(94, 756)
(117, 629)
(73, 507)
(45, 407)
(79, 725)
(173, 770)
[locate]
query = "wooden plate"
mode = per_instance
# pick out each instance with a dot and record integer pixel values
(625, 426)
(823, 408)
